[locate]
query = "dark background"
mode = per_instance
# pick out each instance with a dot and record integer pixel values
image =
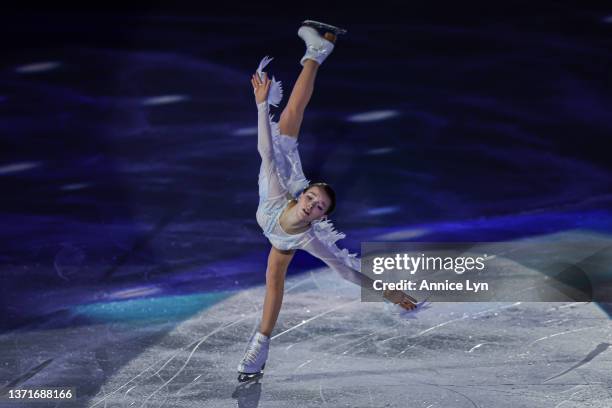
(493, 124)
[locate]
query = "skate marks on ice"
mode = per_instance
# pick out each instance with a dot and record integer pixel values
(331, 349)
(303, 322)
(601, 347)
(502, 367)
(24, 377)
(146, 374)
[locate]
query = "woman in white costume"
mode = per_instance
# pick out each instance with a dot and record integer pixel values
(292, 223)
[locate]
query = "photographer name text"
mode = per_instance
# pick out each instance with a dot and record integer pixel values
(424, 285)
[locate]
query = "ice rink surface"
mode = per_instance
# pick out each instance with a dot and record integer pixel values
(330, 349)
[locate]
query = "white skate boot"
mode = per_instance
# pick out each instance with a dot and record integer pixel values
(318, 47)
(255, 356)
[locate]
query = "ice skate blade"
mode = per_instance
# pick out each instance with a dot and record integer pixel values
(244, 377)
(324, 27)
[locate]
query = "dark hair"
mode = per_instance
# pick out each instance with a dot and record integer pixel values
(330, 193)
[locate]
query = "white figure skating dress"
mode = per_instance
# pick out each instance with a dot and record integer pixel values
(281, 179)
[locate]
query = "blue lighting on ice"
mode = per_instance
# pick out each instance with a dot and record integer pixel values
(171, 308)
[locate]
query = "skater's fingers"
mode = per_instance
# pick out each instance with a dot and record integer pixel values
(409, 301)
(408, 305)
(410, 298)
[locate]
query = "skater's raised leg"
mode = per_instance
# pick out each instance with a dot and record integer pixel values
(318, 48)
(291, 118)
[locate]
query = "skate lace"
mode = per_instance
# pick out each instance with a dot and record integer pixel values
(252, 352)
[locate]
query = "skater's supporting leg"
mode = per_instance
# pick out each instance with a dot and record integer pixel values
(278, 262)
(291, 118)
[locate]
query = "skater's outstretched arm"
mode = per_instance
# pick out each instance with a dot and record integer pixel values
(318, 249)
(324, 253)
(264, 137)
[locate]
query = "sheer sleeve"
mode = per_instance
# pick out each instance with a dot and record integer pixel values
(270, 184)
(340, 260)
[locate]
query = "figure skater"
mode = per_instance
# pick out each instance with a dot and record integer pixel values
(292, 223)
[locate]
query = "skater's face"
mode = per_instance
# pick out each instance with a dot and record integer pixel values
(312, 204)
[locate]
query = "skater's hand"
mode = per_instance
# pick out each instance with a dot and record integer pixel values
(400, 298)
(261, 87)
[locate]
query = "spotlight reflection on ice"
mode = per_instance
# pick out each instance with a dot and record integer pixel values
(37, 67)
(404, 234)
(135, 292)
(383, 210)
(373, 116)
(248, 131)
(164, 99)
(17, 167)
(76, 186)
(381, 150)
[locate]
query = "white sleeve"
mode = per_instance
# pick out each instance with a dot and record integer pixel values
(274, 187)
(347, 265)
